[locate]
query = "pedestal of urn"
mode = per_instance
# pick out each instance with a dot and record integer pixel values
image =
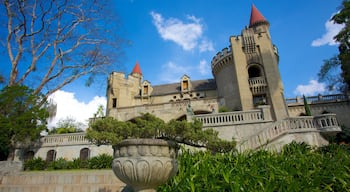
(144, 164)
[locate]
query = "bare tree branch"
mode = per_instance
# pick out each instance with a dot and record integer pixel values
(53, 43)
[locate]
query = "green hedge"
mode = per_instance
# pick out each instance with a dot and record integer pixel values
(298, 167)
(102, 161)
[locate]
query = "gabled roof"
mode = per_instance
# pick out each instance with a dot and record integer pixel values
(256, 17)
(137, 69)
(197, 85)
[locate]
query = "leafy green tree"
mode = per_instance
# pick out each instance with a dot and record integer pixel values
(329, 70)
(100, 112)
(67, 125)
(111, 131)
(22, 117)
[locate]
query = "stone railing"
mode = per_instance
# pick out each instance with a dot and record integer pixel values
(257, 85)
(64, 139)
(323, 123)
(318, 99)
(234, 118)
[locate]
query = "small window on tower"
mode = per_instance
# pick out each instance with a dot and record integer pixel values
(114, 102)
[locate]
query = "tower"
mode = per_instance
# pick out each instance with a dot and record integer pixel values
(121, 91)
(247, 72)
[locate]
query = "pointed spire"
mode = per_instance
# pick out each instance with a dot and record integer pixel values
(256, 17)
(137, 69)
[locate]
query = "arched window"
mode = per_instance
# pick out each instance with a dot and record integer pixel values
(84, 154)
(254, 71)
(51, 155)
(29, 155)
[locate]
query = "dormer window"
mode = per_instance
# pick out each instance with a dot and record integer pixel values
(185, 84)
(146, 89)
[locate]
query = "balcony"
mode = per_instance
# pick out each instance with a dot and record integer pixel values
(257, 85)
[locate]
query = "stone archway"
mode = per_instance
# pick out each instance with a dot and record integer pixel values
(50, 155)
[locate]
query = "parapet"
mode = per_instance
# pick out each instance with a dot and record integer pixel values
(221, 58)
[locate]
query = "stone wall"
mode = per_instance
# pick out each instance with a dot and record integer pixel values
(62, 181)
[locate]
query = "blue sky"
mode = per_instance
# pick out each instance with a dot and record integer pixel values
(172, 38)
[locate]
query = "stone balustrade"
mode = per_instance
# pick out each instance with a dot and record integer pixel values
(318, 99)
(64, 139)
(232, 118)
(322, 123)
(257, 85)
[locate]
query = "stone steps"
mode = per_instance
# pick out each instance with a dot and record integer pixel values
(62, 181)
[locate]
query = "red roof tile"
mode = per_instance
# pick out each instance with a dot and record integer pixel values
(137, 69)
(256, 16)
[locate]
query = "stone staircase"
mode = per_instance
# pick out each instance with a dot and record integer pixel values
(62, 181)
(326, 124)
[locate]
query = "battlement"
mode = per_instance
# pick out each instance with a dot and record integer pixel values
(221, 59)
(119, 75)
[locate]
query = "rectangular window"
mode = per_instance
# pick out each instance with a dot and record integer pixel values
(145, 90)
(114, 102)
(185, 85)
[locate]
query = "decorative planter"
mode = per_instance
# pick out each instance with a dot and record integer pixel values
(144, 164)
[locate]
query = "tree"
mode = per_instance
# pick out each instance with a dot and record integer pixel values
(111, 131)
(342, 60)
(22, 117)
(100, 112)
(53, 43)
(67, 125)
(306, 107)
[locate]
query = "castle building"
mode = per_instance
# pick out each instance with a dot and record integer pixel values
(245, 74)
(246, 82)
(244, 100)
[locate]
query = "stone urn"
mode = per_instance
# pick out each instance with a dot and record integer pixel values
(144, 164)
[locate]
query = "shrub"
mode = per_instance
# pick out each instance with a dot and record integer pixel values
(102, 161)
(298, 167)
(34, 164)
(60, 163)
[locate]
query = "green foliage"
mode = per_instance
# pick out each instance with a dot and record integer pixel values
(306, 107)
(330, 73)
(223, 109)
(298, 167)
(343, 136)
(110, 131)
(67, 125)
(34, 164)
(103, 161)
(22, 116)
(59, 163)
(342, 60)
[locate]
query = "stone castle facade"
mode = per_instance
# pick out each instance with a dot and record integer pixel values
(245, 74)
(247, 83)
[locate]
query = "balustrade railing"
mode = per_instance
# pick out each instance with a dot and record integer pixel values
(319, 99)
(322, 123)
(257, 85)
(230, 118)
(64, 139)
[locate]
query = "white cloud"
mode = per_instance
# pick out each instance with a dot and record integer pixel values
(172, 72)
(332, 29)
(313, 88)
(206, 45)
(204, 68)
(69, 106)
(187, 35)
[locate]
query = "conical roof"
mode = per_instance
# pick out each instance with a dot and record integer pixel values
(256, 17)
(137, 69)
